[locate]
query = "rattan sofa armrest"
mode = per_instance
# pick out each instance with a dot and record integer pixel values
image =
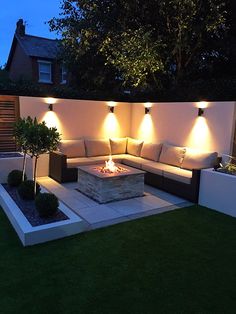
(58, 159)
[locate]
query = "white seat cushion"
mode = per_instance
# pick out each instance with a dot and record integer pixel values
(119, 158)
(72, 148)
(195, 159)
(100, 159)
(76, 162)
(178, 174)
(134, 161)
(80, 161)
(151, 151)
(156, 167)
(116, 158)
(172, 155)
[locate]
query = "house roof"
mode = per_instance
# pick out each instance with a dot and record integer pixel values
(35, 46)
(38, 46)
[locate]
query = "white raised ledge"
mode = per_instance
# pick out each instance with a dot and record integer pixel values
(10, 163)
(217, 191)
(30, 235)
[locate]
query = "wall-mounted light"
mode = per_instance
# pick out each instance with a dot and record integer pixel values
(50, 107)
(50, 101)
(147, 108)
(111, 109)
(111, 106)
(200, 112)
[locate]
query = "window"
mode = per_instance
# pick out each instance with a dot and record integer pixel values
(63, 74)
(45, 71)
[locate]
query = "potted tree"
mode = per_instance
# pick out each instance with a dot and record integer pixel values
(21, 128)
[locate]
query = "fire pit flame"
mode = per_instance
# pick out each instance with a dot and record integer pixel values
(110, 167)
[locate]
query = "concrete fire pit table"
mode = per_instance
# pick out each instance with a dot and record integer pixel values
(107, 187)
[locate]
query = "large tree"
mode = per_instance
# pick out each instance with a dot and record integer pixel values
(139, 42)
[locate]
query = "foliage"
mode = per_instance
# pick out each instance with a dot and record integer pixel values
(121, 51)
(26, 190)
(210, 88)
(15, 178)
(229, 166)
(41, 139)
(192, 28)
(46, 204)
(141, 43)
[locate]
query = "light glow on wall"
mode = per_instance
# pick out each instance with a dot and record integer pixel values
(148, 105)
(200, 135)
(52, 120)
(146, 129)
(111, 126)
(202, 104)
(50, 100)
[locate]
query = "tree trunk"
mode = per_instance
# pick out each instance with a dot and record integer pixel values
(24, 166)
(35, 174)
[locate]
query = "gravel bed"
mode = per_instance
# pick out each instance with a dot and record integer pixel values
(29, 210)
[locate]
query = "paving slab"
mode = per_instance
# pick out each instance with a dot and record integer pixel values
(97, 215)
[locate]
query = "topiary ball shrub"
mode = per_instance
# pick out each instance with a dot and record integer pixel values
(26, 190)
(46, 204)
(15, 178)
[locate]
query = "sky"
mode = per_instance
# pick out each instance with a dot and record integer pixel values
(34, 12)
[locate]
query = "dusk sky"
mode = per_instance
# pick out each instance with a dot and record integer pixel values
(34, 13)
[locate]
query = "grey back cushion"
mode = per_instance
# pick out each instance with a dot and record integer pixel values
(97, 147)
(151, 151)
(134, 146)
(196, 159)
(172, 155)
(72, 148)
(118, 145)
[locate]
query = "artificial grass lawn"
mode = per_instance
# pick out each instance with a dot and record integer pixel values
(178, 262)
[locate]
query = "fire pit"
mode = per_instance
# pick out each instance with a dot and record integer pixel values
(110, 182)
(110, 167)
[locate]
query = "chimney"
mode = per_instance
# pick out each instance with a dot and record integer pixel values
(20, 27)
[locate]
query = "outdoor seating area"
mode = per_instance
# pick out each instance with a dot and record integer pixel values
(168, 167)
(125, 164)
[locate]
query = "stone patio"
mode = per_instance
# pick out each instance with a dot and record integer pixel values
(97, 215)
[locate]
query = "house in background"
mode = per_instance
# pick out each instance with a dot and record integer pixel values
(35, 58)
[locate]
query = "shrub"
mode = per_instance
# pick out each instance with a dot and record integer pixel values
(26, 190)
(46, 204)
(15, 178)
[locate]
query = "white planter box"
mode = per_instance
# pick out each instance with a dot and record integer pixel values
(11, 163)
(33, 235)
(218, 191)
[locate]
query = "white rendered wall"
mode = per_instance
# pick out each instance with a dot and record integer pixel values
(80, 118)
(14, 163)
(178, 123)
(217, 191)
(175, 123)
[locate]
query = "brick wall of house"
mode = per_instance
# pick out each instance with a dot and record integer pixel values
(21, 66)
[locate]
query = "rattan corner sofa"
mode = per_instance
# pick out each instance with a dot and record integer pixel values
(171, 168)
